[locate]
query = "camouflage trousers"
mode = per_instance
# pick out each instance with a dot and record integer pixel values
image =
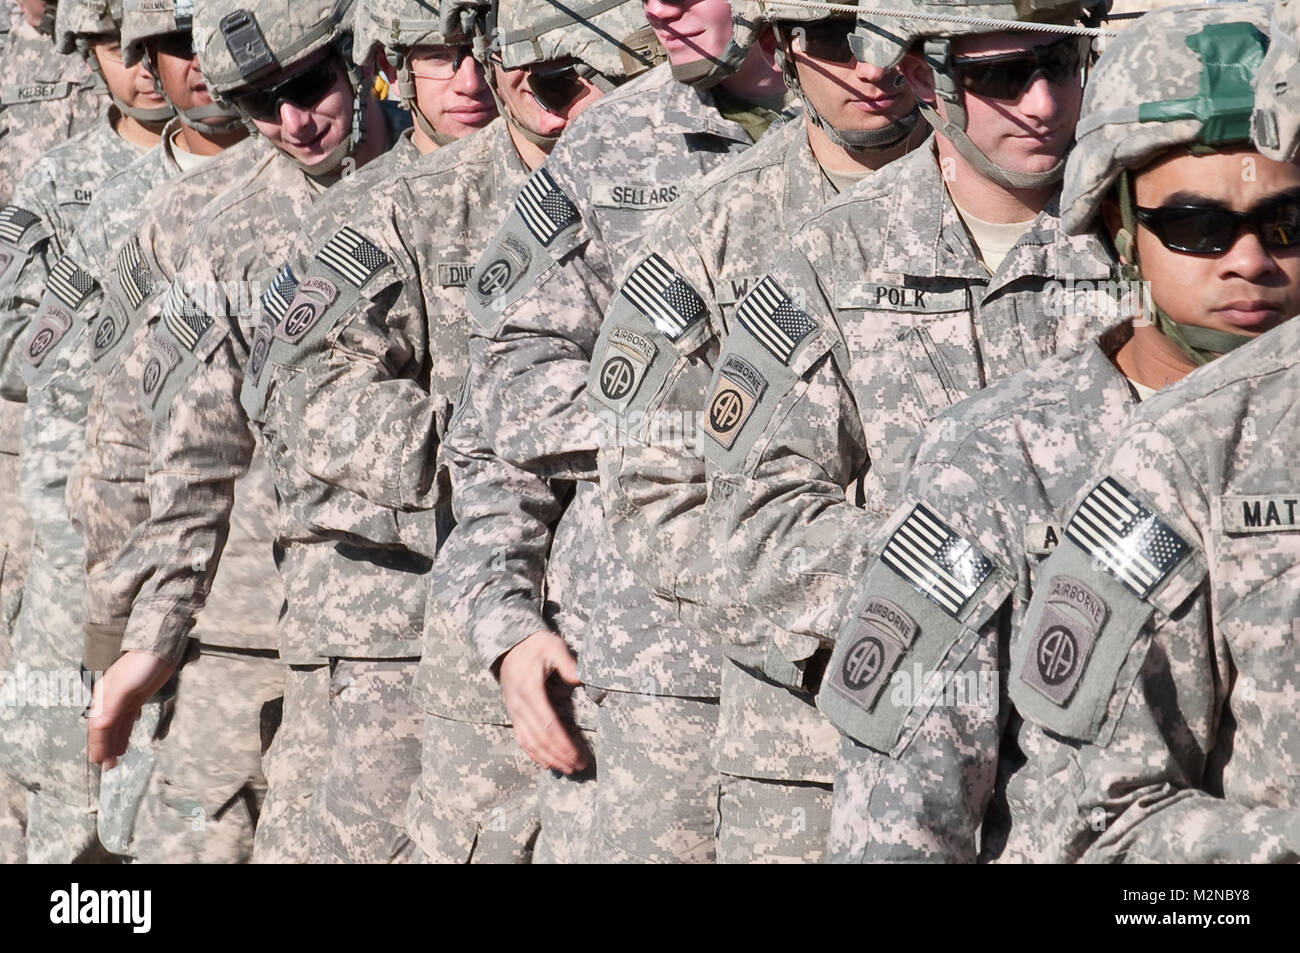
(207, 787)
(15, 542)
(294, 765)
(476, 800)
(42, 698)
(359, 812)
(657, 801)
(13, 821)
(776, 753)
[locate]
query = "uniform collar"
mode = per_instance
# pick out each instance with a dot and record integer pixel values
(807, 189)
(1045, 251)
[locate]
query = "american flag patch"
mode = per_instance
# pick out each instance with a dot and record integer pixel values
(135, 280)
(184, 318)
(935, 561)
(1136, 546)
(352, 256)
(14, 221)
(69, 283)
(663, 296)
(544, 208)
(275, 300)
(768, 313)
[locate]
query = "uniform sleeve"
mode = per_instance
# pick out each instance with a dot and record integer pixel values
(28, 250)
(783, 430)
(354, 405)
(199, 445)
(1162, 723)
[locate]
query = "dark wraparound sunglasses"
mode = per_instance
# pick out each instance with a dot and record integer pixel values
(1212, 229)
(556, 87)
(303, 90)
(826, 41)
(1007, 75)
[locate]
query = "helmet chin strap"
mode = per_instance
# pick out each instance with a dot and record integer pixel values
(708, 70)
(48, 16)
(1201, 345)
(156, 114)
(360, 98)
(545, 143)
(200, 117)
(406, 93)
(937, 56)
(856, 140)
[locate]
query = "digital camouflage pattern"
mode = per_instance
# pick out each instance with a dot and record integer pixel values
(293, 765)
(1276, 121)
(999, 470)
(877, 318)
(1210, 647)
(45, 98)
(650, 376)
(576, 218)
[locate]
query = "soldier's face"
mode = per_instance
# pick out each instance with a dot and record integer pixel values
(178, 71)
(846, 92)
(33, 10)
(513, 87)
(454, 97)
(309, 132)
(133, 85)
(690, 30)
(1247, 289)
(1030, 133)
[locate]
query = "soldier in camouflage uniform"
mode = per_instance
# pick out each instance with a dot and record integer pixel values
(345, 524)
(937, 764)
(314, 106)
(532, 438)
(46, 97)
(896, 300)
(1178, 663)
(649, 376)
(42, 741)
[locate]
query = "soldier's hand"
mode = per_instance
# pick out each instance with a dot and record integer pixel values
(115, 705)
(538, 728)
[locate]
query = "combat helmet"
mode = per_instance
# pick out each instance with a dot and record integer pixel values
(398, 26)
(80, 21)
(608, 38)
(883, 37)
(788, 18)
(240, 42)
(1276, 120)
(146, 19)
(1179, 77)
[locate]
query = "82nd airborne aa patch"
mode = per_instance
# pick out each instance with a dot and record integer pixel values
(1058, 652)
(883, 634)
(734, 396)
(314, 296)
(163, 359)
(48, 328)
(935, 561)
(1136, 546)
(629, 355)
(504, 271)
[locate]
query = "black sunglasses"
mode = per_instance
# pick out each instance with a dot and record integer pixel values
(303, 90)
(178, 45)
(827, 41)
(1007, 75)
(1212, 229)
(555, 88)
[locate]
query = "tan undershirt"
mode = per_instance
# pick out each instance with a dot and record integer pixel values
(842, 181)
(186, 160)
(992, 239)
(1143, 391)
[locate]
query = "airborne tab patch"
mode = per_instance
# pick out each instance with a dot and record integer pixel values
(883, 633)
(1136, 546)
(503, 272)
(663, 296)
(314, 296)
(628, 357)
(163, 358)
(545, 209)
(768, 313)
(69, 283)
(135, 280)
(183, 318)
(733, 399)
(14, 222)
(935, 561)
(50, 325)
(1059, 650)
(352, 256)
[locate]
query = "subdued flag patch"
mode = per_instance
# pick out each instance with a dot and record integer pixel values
(135, 280)
(69, 282)
(1136, 546)
(14, 222)
(352, 256)
(183, 318)
(768, 313)
(935, 561)
(545, 209)
(663, 296)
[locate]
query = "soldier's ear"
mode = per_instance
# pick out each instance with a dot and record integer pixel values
(918, 76)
